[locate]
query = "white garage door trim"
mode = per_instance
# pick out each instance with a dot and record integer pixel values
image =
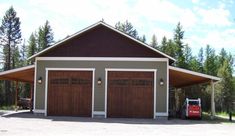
(70, 69)
(131, 70)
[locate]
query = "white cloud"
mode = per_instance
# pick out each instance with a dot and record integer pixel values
(195, 1)
(215, 16)
(217, 39)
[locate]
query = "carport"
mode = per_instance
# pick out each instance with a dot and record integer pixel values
(23, 74)
(178, 78)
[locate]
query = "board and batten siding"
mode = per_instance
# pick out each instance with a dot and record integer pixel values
(99, 90)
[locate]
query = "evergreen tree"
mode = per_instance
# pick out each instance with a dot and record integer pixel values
(178, 39)
(23, 56)
(127, 28)
(211, 62)
(45, 36)
(154, 43)
(188, 56)
(223, 55)
(10, 38)
(200, 60)
(226, 85)
(143, 39)
(32, 47)
(194, 64)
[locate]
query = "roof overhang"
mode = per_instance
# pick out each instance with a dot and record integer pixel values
(108, 26)
(23, 74)
(179, 77)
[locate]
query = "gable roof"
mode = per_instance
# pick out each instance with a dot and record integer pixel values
(93, 26)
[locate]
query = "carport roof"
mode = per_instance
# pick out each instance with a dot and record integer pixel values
(179, 77)
(23, 74)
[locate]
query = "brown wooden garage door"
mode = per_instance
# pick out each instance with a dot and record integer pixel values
(69, 93)
(130, 94)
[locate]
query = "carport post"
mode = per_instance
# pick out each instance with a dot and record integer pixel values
(212, 99)
(31, 97)
(16, 96)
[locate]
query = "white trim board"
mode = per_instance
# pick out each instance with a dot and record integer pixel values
(101, 59)
(161, 114)
(167, 87)
(41, 111)
(70, 69)
(131, 69)
(99, 113)
(108, 26)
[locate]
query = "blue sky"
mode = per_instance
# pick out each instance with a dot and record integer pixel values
(204, 21)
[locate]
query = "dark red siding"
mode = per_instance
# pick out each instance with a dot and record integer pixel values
(101, 42)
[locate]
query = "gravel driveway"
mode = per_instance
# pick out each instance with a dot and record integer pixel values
(26, 124)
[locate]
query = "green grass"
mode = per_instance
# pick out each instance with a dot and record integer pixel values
(225, 114)
(218, 119)
(11, 107)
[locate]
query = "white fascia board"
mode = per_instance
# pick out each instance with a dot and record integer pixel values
(94, 25)
(16, 70)
(100, 59)
(195, 73)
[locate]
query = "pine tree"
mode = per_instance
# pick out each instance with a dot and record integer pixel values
(10, 38)
(211, 62)
(23, 56)
(188, 56)
(200, 60)
(226, 85)
(32, 47)
(143, 39)
(178, 39)
(154, 43)
(127, 28)
(45, 36)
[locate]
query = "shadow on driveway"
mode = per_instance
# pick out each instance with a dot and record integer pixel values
(30, 115)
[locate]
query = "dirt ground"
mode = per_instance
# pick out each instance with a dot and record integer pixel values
(27, 124)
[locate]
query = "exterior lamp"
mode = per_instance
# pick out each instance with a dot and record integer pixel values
(161, 82)
(40, 80)
(99, 81)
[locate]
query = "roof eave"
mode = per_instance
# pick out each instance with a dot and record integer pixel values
(214, 78)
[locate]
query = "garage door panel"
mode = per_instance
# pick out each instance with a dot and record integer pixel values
(130, 94)
(69, 93)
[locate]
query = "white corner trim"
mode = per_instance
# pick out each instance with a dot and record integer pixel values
(110, 27)
(69, 69)
(93, 92)
(194, 73)
(105, 92)
(161, 114)
(101, 59)
(41, 111)
(99, 113)
(35, 83)
(167, 88)
(131, 69)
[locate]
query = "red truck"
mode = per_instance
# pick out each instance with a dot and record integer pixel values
(191, 109)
